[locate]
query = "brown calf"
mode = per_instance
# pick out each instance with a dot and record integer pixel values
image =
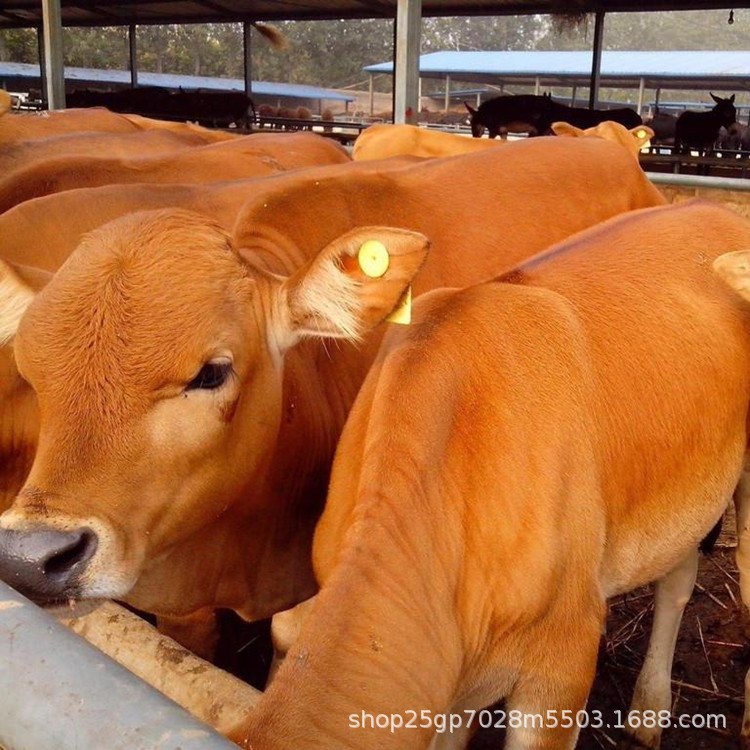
(527, 449)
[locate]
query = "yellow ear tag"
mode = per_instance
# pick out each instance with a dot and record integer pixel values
(641, 133)
(373, 259)
(402, 312)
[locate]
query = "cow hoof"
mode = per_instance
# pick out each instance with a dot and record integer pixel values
(631, 742)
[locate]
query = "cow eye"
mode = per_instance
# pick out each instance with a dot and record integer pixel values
(211, 376)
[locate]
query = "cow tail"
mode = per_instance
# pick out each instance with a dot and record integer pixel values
(273, 34)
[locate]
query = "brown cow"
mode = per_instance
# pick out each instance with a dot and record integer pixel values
(138, 144)
(384, 141)
(23, 127)
(251, 156)
(734, 268)
(234, 506)
(527, 449)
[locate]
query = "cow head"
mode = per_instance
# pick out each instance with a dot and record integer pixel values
(156, 354)
(633, 139)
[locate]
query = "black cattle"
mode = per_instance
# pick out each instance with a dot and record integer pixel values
(535, 114)
(515, 113)
(663, 126)
(699, 130)
(211, 108)
(588, 118)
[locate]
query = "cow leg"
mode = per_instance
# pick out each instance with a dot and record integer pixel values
(548, 700)
(458, 739)
(653, 689)
(285, 628)
(742, 556)
(742, 508)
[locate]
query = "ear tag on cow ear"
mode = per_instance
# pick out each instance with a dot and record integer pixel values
(373, 258)
(641, 133)
(402, 312)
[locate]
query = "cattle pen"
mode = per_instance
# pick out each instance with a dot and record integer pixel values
(58, 691)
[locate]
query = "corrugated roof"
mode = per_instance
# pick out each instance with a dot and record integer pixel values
(14, 13)
(166, 80)
(691, 69)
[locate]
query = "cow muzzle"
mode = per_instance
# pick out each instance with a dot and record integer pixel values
(46, 564)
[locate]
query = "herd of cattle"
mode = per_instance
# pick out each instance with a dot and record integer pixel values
(202, 406)
(715, 130)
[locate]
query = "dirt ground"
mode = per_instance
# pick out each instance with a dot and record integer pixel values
(711, 659)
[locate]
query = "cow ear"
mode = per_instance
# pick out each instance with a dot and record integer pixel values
(17, 292)
(351, 285)
(566, 129)
(731, 99)
(734, 269)
(470, 109)
(715, 98)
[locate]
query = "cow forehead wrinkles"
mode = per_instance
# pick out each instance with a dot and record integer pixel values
(134, 300)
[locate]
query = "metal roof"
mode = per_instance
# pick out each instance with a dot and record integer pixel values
(18, 13)
(93, 75)
(688, 69)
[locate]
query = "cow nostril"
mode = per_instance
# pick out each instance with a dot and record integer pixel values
(78, 550)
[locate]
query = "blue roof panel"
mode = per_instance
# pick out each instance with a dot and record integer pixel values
(630, 64)
(167, 80)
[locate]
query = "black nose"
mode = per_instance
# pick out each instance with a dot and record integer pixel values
(45, 564)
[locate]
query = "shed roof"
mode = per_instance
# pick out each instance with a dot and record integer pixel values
(15, 13)
(688, 69)
(94, 75)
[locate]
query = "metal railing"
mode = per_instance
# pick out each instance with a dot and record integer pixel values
(57, 691)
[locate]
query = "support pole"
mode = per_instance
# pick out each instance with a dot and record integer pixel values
(372, 95)
(57, 691)
(248, 55)
(133, 56)
(596, 59)
(42, 66)
(641, 91)
(447, 93)
(573, 93)
(536, 86)
(408, 32)
(53, 54)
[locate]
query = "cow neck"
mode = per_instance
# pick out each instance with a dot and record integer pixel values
(377, 641)
(260, 565)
